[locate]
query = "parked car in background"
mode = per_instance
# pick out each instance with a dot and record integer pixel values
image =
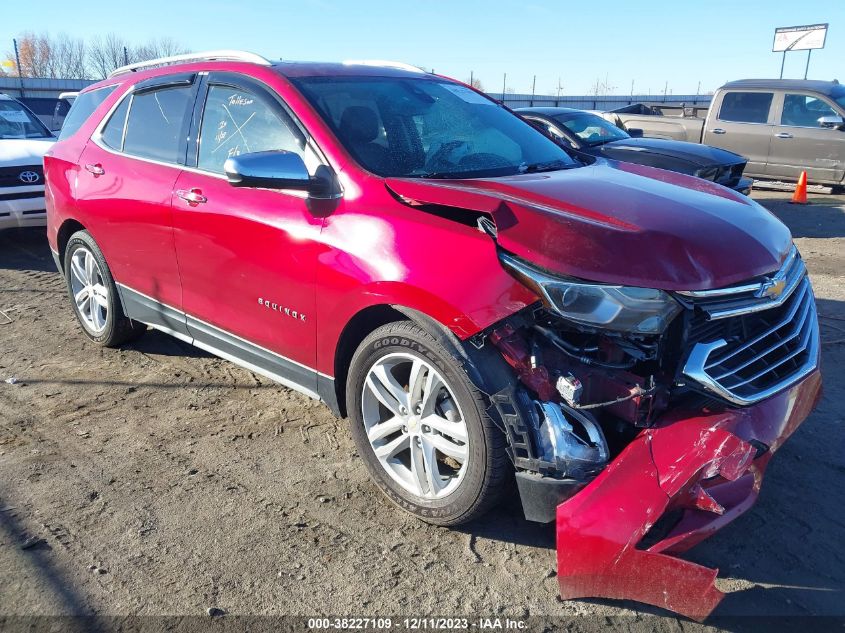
(51, 111)
(23, 141)
(783, 127)
(591, 134)
(628, 343)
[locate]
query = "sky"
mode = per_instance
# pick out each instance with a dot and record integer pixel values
(687, 46)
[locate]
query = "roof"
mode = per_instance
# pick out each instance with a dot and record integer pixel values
(548, 111)
(330, 69)
(823, 87)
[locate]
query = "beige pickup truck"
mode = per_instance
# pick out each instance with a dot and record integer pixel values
(783, 127)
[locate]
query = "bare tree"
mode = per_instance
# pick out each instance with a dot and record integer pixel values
(42, 55)
(475, 83)
(155, 48)
(67, 58)
(107, 53)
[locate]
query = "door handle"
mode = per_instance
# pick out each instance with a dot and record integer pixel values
(192, 196)
(717, 130)
(96, 169)
(783, 135)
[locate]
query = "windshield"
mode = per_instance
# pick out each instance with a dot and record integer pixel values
(590, 128)
(428, 128)
(17, 122)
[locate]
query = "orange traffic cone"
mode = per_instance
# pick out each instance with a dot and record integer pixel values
(800, 195)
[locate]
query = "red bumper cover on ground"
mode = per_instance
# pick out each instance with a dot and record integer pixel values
(703, 467)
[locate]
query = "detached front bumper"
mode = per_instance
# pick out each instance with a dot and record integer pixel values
(694, 472)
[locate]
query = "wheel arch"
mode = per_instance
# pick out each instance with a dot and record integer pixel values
(370, 318)
(365, 321)
(68, 228)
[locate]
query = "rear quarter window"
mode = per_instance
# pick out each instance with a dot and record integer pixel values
(746, 107)
(82, 108)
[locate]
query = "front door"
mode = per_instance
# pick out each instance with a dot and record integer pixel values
(743, 125)
(247, 256)
(801, 144)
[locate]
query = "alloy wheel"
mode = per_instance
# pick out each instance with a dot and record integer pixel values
(90, 293)
(415, 426)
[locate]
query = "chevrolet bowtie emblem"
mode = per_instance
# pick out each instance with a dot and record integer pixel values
(771, 288)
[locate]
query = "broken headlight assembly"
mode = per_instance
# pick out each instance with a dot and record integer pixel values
(619, 308)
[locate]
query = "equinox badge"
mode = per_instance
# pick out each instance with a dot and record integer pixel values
(294, 314)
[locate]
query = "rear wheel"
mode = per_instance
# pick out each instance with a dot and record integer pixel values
(93, 294)
(421, 427)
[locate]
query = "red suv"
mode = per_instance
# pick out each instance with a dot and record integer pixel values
(630, 345)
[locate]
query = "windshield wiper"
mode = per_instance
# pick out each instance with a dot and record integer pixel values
(552, 165)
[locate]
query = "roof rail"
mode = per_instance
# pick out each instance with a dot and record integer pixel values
(384, 64)
(240, 56)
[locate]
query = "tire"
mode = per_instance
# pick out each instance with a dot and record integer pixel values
(470, 476)
(102, 317)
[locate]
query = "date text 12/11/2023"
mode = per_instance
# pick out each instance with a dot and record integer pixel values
(416, 624)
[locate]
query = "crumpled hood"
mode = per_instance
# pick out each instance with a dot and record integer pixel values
(29, 151)
(620, 223)
(694, 153)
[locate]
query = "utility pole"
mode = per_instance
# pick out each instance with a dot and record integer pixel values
(472, 79)
(504, 86)
(533, 88)
(125, 57)
(18, 62)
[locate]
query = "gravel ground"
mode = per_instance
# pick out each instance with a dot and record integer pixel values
(159, 480)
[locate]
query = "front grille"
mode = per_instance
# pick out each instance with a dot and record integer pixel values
(10, 176)
(750, 355)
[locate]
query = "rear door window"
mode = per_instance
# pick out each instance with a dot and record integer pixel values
(804, 110)
(83, 106)
(157, 125)
(746, 107)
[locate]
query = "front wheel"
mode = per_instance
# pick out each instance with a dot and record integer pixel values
(422, 429)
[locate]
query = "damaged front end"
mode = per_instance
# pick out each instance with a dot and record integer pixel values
(642, 420)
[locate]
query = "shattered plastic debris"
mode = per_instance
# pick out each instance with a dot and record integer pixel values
(706, 469)
(12, 380)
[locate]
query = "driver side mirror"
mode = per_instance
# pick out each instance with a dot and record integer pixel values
(834, 122)
(279, 169)
(635, 132)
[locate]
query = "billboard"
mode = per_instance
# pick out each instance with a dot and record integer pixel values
(799, 38)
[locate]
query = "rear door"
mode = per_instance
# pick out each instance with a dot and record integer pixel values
(801, 144)
(743, 124)
(129, 169)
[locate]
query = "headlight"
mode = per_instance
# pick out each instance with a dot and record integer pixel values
(707, 173)
(621, 308)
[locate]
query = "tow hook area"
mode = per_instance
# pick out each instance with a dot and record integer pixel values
(599, 530)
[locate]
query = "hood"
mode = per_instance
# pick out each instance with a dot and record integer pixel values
(698, 155)
(23, 151)
(620, 223)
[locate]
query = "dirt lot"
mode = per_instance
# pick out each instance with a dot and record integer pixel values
(165, 481)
